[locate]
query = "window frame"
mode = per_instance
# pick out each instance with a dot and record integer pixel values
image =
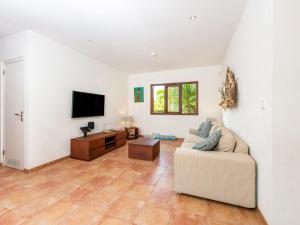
(166, 85)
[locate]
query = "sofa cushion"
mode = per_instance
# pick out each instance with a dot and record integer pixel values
(240, 146)
(226, 142)
(187, 145)
(209, 143)
(204, 129)
(191, 138)
(194, 131)
(213, 128)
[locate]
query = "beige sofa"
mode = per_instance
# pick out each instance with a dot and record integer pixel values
(227, 174)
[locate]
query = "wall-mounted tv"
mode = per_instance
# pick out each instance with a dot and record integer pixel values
(87, 104)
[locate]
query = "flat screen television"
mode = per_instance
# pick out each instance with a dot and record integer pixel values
(87, 104)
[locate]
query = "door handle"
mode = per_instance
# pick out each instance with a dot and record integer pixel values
(20, 114)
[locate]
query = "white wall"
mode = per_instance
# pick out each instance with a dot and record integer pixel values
(52, 72)
(286, 112)
(250, 57)
(14, 46)
(55, 70)
(209, 80)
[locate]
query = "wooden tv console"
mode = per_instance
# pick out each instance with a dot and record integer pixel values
(95, 145)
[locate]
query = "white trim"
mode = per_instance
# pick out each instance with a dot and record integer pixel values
(2, 68)
(8, 61)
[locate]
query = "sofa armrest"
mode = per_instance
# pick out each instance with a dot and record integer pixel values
(221, 176)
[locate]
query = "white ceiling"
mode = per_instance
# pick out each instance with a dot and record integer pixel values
(124, 32)
(7, 29)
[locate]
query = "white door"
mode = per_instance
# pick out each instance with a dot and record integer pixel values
(14, 114)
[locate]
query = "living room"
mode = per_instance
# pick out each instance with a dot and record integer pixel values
(193, 98)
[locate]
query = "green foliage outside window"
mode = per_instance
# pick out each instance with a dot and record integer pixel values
(159, 99)
(189, 98)
(173, 99)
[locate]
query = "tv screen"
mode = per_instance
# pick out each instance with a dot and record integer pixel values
(86, 104)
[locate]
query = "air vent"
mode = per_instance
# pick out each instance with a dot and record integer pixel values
(13, 163)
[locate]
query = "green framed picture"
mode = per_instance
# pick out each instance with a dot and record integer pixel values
(139, 94)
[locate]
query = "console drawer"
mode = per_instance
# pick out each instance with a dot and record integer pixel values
(121, 135)
(121, 142)
(97, 143)
(96, 152)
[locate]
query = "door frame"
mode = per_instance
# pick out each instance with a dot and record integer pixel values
(2, 106)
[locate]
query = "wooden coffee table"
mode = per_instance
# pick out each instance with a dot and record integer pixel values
(144, 149)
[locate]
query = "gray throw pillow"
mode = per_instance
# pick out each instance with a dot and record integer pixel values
(209, 143)
(204, 129)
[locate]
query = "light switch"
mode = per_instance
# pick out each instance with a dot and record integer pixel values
(263, 105)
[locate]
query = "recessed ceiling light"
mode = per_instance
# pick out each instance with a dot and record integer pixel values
(193, 17)
(90, 41)
(153, 54)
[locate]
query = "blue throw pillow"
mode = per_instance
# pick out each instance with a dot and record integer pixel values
(204, 129)
(209, 143)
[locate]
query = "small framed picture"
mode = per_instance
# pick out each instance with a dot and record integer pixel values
(139, 94)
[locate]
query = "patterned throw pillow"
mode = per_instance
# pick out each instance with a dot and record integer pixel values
(204, 129)
(209, 143)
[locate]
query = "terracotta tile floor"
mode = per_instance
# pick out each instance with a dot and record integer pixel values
(110, 190)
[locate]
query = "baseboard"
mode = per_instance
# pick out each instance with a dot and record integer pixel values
(45, 165)
(180, 139)
(262, 217)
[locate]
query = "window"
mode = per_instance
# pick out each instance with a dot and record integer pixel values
(159, 98)
(175, 98)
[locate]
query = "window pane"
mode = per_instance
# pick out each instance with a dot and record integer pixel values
(189, 98)
(159, 99)
(173, 99)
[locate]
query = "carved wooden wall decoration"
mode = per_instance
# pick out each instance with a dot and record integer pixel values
(228, 91)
